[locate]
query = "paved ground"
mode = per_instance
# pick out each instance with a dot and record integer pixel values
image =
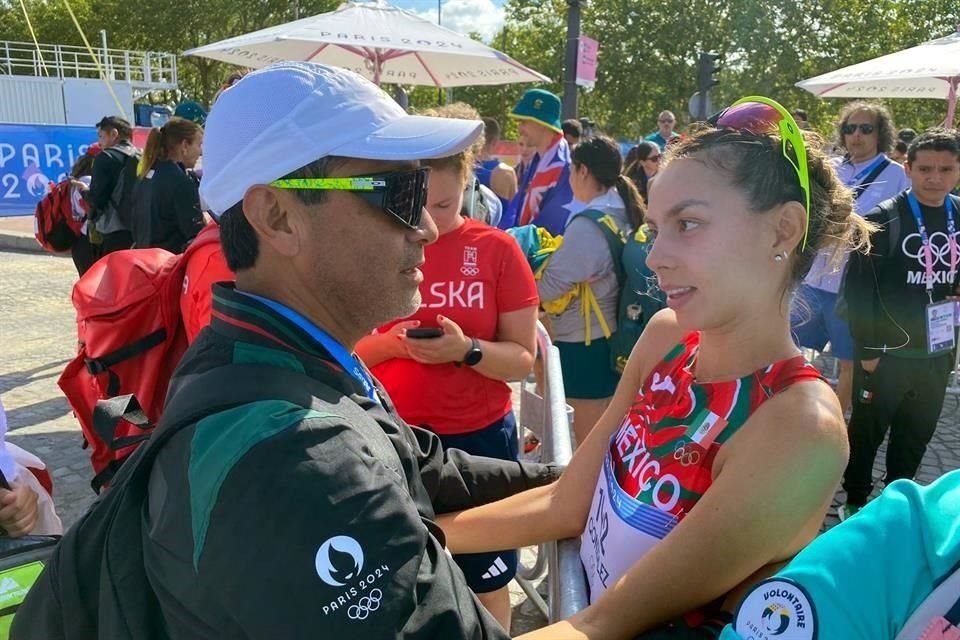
(16, 234)
(38, 337)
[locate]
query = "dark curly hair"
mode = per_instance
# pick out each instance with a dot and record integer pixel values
(886, 132)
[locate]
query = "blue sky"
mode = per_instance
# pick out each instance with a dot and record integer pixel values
(485, 16)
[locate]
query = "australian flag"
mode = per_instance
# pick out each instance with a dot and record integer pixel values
(544, 196)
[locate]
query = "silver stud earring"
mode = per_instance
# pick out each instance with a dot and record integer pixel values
(778, 258)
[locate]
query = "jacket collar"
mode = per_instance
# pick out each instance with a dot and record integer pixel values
(245, 319)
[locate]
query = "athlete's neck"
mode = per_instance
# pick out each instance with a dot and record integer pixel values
(733, 352)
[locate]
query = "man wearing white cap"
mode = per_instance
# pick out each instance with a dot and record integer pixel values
(311, 515)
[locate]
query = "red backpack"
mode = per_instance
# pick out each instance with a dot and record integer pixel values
(131, 339)
(53, 223)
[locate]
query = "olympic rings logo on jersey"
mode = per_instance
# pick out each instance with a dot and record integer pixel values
(365, 606)
(686, 457)
(939, 248)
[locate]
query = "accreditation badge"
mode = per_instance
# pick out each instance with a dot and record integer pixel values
(940, 327)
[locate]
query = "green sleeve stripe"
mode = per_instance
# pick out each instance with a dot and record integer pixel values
(220, 441)
(290, 335)
(245, 353)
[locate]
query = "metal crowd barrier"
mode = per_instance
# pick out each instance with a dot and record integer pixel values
(549, 417)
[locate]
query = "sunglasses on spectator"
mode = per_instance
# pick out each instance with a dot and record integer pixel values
(865, 128)
(666, 120)
(400, 194)
(763, 116)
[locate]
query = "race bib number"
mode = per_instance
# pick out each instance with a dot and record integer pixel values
(777, 609)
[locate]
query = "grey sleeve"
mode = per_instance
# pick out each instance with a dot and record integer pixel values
(583, 257)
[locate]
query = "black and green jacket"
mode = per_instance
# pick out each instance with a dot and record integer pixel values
(272, 520)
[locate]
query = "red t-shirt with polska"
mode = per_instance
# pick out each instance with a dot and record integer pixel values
(471, 275)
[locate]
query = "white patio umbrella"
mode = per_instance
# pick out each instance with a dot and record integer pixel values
(929, 70)
(380, 42)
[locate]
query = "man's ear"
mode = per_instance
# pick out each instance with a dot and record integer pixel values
(269, 214)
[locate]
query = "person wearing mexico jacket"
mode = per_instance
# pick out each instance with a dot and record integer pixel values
(275, 519)
(895, 296)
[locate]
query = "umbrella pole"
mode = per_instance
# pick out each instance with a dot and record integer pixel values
(952, 101)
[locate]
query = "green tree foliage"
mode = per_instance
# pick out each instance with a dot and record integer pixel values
(157, 26)
(648, 48)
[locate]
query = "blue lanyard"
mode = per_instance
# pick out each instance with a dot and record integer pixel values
(863, 173)
(337, 351)
(925, 237)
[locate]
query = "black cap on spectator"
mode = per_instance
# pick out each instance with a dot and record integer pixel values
(116, 122)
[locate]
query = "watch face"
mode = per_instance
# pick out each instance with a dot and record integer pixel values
(475, 355)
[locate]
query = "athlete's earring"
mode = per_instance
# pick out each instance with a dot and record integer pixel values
(780, 257)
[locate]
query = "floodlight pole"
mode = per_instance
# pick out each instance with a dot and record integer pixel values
(573, 50)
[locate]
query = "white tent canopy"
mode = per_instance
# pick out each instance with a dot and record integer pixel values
(380, 42)
(929, 70)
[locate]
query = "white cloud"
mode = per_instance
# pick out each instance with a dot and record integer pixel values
(467, 16)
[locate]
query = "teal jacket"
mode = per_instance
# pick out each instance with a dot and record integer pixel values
(867, 577)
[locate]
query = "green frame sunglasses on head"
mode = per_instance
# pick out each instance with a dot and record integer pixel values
(400, 194)
(760, 115)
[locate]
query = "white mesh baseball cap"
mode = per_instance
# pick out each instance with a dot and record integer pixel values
(289, 114)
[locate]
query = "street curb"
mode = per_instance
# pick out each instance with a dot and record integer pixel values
(17, 241)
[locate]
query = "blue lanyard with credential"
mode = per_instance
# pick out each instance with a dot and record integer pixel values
(925, 238)
(855, 180)
(337, 351)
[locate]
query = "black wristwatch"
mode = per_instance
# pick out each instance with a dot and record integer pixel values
(473, 356)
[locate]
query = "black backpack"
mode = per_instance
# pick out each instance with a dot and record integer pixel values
(119, 208)
(95, 585)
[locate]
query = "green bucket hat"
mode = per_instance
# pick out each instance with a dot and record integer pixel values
(191, 111)
(539, 106)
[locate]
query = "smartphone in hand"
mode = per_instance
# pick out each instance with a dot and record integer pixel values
(424, 333)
